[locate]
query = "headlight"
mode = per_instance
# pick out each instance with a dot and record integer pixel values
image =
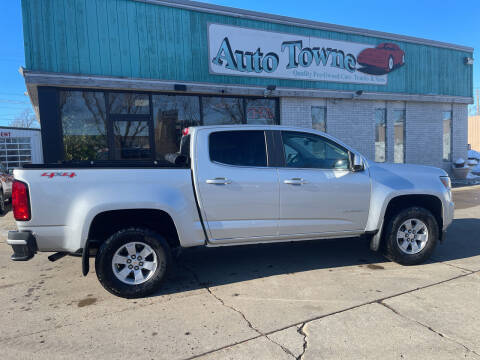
(446, 182)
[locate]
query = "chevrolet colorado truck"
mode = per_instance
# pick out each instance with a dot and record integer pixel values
(228, 185)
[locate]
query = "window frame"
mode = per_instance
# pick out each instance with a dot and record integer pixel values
(326, 139)
(385, 114)
(325, 114)
(266, 142)
(404, 161)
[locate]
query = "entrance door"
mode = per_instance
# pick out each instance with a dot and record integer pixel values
(132, 138)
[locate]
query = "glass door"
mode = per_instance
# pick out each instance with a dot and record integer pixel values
(132, 138)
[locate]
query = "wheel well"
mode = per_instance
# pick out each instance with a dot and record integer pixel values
(429, 202)
(107, 223)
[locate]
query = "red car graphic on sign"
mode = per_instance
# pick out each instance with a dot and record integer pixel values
(382, 59)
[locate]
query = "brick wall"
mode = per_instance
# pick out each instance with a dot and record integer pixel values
(424, 134)
(353, 122)
(460, 131)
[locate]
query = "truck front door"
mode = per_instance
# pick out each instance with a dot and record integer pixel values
(319, 193)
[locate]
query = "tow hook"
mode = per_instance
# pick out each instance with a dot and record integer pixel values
(57, 256)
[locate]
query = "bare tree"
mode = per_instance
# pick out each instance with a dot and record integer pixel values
(26, 119)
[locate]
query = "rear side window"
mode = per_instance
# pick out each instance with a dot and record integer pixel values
(240, 148)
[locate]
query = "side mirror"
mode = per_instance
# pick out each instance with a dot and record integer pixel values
(358, 164)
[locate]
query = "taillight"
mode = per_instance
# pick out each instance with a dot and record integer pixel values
(20, 201)
(185, 131)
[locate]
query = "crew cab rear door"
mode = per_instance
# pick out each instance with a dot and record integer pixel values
(238, 192)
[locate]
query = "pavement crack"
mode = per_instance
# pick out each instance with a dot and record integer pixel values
(219, 299)
(285, 349)
(381, 302)
(301, 331)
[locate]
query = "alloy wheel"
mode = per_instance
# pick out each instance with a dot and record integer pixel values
(412, 236)
(134, 263)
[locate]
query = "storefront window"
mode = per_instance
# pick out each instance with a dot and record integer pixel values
(319, 118)
(380, 135)
(83, 118)
(261, 111)
(222, 111)
(138, 126)
(171, 114)
(129, 103)
(399, 135)
(132, 141)
(447, 135)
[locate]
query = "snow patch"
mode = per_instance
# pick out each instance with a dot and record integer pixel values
(472, 154)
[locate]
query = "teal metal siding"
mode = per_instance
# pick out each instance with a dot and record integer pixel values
(133, 39)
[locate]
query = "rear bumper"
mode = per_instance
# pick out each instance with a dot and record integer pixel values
(24, 245)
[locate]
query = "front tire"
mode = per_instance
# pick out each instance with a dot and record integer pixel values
(133, 263)
(411, 236)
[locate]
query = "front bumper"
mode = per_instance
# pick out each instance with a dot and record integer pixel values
(24, 245)
(448, 214)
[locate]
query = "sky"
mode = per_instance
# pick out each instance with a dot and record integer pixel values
(450, 21)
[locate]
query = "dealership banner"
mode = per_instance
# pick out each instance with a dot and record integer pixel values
(249, 52)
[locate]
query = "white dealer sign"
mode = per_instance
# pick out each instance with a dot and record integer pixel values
(248, 52)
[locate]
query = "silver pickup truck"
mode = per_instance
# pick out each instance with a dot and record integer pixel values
(228, 185)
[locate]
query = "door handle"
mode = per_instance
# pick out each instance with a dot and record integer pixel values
(295, 181)
(219, 181)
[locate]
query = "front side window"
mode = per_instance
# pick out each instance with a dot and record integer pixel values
(84, 119)
(312, 151)
(239, 148)
(319, 118)
(380, 135)
(399, 135)
(447, 135)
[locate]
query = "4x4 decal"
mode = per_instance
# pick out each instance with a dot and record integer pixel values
(62, 174)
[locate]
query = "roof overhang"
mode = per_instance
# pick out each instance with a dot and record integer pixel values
(35, 79)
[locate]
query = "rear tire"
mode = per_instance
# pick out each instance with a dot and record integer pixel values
(133, 263)
(411, 236)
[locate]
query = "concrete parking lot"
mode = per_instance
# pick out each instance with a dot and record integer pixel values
(313, 300)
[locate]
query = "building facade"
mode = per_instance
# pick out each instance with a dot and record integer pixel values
(120, 79)
(20, 146)
(474, 132)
